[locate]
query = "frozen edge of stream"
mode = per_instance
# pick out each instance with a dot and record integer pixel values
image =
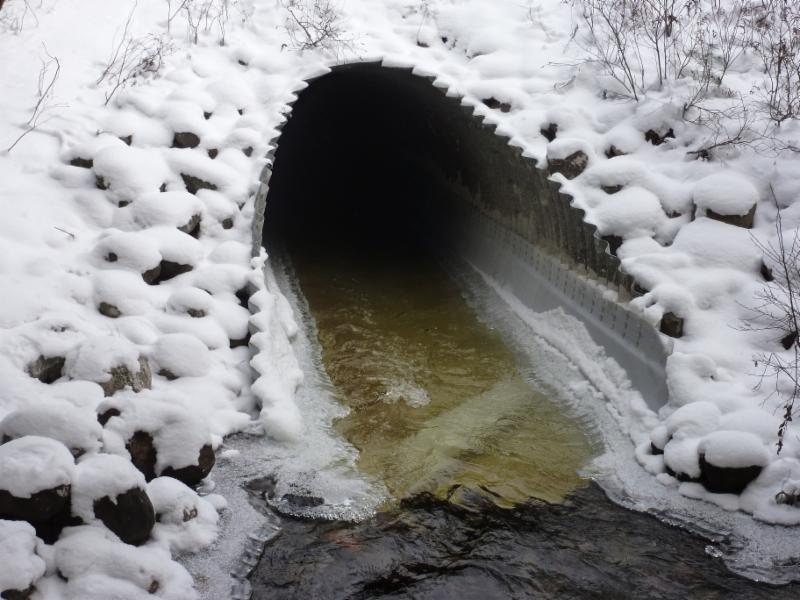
(322, 463)
(754, 549)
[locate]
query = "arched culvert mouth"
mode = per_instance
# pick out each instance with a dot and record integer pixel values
(367, 156)
(375, 157)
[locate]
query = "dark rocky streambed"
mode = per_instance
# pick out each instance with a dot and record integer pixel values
(585, 547)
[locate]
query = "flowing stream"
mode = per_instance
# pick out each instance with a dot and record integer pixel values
(487, 493)
(436, 398)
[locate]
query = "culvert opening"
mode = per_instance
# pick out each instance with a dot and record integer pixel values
(377, 159)
(362, 161)
(369, 175)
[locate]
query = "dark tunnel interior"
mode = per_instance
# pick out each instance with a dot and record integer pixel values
(363, 161)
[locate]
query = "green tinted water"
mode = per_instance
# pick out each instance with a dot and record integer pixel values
(436, 397)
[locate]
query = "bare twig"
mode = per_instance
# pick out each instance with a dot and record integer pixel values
(777, 42)
(315, 24)
(69, 233)
(16, 12)
(779, 302)
(171, 14)
(132, 59)
(47, 78)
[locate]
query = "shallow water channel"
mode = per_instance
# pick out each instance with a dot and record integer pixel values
(436, 398)
(481, 464)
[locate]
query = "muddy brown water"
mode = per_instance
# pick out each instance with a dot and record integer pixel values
(436, 398)
(482, 467)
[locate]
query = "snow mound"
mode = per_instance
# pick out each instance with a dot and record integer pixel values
(734, 449)
(562, 148)
(182, 355)
(99, 476)
(682, 457)
(174, 245)
(94, 359)
(190, 299)
(753, 420)
(630, 213)
(77, 429)
(693, 420)
(129, 172)
(175, 209)
(186, 522)
(178, 434)
(32, 464)
(22, 565)
(98, 567)
(127, 250)
(124, 291)
(725, 193)
(716, 244)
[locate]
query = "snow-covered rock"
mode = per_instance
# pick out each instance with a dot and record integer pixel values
(32, 464)
(35, 478)
(77, 429)
(186, 522)
(109, 489)
(181, 355)
(730, 460)
(113, 362)
(22, 564)
(129, 172)
(160, 438)
(726, 196)
(96, 566)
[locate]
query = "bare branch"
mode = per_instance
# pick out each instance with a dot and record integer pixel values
(133, 59)
(46, 80)
(315, 24)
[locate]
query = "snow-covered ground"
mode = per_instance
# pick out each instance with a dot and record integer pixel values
(126, 268)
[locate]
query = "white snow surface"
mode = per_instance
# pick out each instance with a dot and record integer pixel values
(60, 420)
(66, 245)
(734, 449)
(185, 521)
(32, 464)
(22, 565)
(726, 193)
(93, 359)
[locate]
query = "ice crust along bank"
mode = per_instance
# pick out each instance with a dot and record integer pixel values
(98, 273)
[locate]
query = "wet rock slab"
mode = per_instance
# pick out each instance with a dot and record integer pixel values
(584, 548)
